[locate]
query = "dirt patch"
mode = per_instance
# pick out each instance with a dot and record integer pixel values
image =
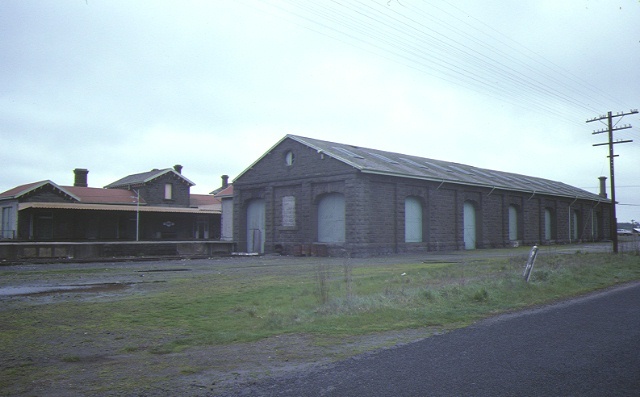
(83, 369)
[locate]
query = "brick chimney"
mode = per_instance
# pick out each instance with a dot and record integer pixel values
(603, 186)
(225, 181)
(80, 179)
(178, 168)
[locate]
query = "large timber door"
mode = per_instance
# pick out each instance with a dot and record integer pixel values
(255, 226)
(469, 222)
(331, 218)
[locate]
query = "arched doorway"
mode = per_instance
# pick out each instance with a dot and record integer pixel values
(331, 218)
(412, 220)
(255, 226)
(548, 224)
(513, 223)
(469, 225)
(575, 225)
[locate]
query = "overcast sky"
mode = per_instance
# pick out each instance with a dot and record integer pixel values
(121, 87)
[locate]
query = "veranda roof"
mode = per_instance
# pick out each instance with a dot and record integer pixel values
(112, 207)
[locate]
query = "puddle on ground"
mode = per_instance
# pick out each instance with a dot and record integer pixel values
(54, 289)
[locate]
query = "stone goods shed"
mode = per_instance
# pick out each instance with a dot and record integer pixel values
(313, 197)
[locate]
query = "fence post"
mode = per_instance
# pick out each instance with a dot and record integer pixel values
(530, 262)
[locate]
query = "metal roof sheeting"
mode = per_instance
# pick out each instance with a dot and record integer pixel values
(394, 164)
(144, 177)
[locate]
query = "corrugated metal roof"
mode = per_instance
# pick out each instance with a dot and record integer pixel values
(388, 163)
(144, 177)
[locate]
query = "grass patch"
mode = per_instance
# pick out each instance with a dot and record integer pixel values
(206, 310)
(329, 300)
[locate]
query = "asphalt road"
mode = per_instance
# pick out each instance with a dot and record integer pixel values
(584, 347)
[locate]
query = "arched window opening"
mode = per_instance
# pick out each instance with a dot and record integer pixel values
(412, 220)
(575, 225)
(514, 223)
(331, 218)
(469, 225)
(549, 224)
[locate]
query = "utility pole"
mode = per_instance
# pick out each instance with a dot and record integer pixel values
(610, 129)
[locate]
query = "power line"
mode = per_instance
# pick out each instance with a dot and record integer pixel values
(397, 34)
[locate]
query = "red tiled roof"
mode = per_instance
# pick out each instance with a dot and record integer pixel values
(226, 192)
(21, 190)
(198, 200)
(95, 195)
(18, 190)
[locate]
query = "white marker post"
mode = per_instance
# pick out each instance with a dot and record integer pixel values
(532, 259)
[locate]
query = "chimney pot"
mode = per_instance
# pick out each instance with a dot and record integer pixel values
(603, 186)
(178, 168)
(80, 179)
(225, 181)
